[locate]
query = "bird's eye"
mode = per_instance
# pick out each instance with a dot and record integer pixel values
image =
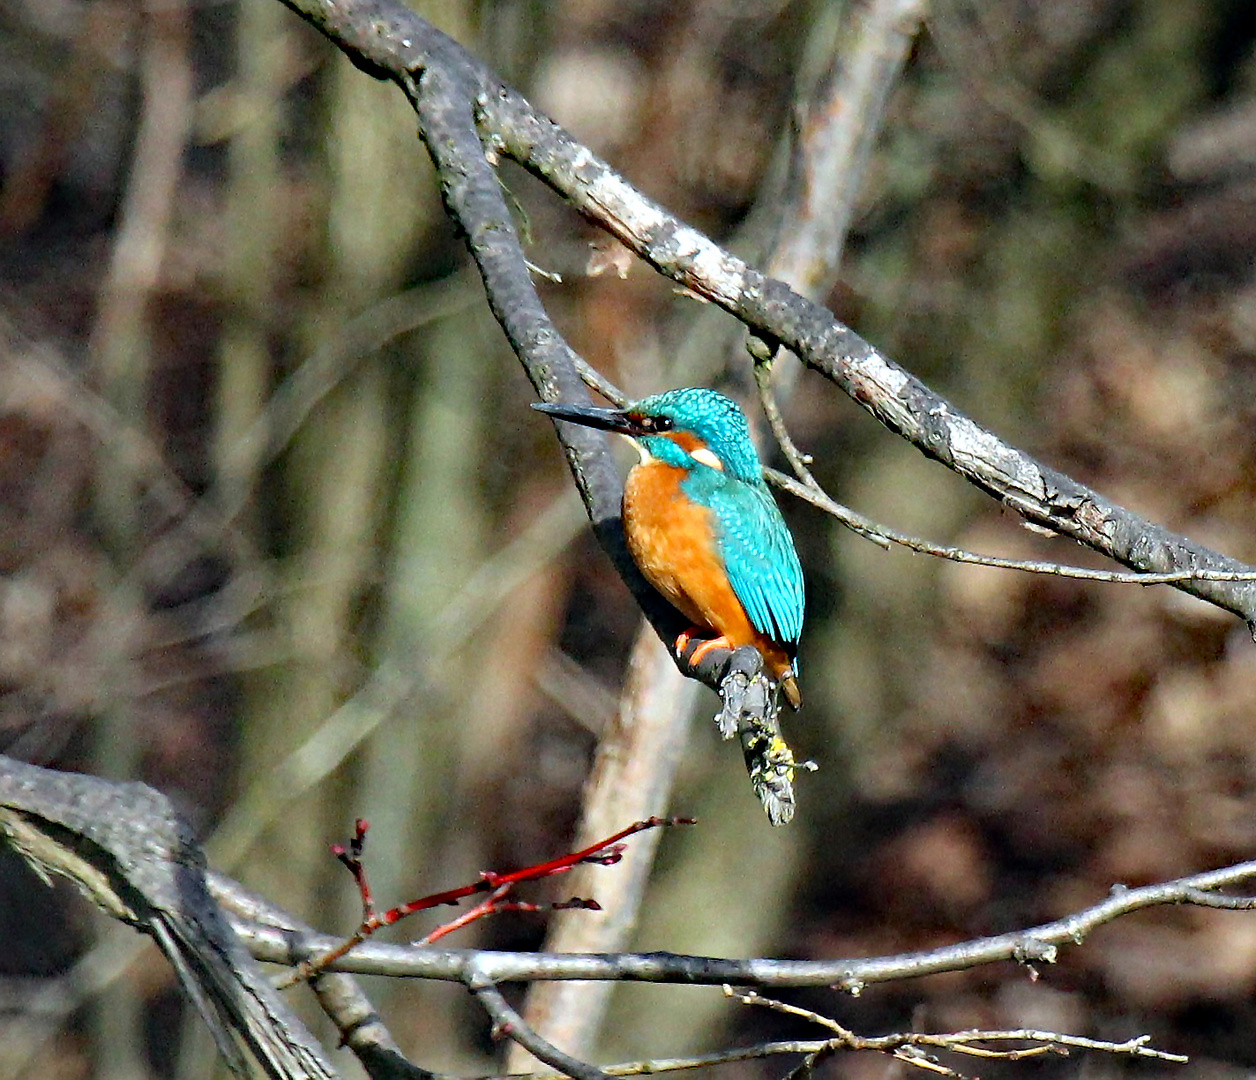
(657, 423)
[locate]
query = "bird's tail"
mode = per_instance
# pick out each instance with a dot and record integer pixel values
(789, 685)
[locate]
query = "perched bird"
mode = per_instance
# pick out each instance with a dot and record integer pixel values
(703, 527)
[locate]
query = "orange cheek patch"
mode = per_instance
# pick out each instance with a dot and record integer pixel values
(697, 449)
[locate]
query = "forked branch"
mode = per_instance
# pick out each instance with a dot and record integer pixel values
(124, 845)
(1030, 947)
(468, 118)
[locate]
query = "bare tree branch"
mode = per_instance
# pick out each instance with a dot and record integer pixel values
(899, 400)
(131, 854)
(960, 1042)
(1038, 944)
(451, 90)
(906, 1045)
(508, 1023)
(339, 995)
(124, 846)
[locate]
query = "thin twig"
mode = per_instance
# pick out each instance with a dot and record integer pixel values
(798, 461)
(884, 536)
(753, 997)
(508, 1023)
(961, 1042)
(814, 1048)
(809, 489)
(605, 852)
(1200, 898)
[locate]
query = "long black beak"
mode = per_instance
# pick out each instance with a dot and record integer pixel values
(616, 420)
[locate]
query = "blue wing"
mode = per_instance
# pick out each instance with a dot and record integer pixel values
(758, 553)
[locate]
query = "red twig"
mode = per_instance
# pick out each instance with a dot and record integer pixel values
(499, 886)
(496, 902)
(352, 860)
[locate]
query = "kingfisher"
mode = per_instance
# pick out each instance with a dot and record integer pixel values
(703, 527)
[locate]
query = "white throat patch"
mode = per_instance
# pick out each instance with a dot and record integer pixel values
(646, 456)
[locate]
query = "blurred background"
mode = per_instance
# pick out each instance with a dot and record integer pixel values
(280, 536)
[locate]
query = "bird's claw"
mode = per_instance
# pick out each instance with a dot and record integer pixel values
(686, 639)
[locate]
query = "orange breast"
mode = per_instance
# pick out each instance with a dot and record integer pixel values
(672, 541)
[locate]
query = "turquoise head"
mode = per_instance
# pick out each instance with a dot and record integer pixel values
(687, 427)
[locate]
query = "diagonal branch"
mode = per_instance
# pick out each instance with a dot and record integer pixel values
(509, 1024)
(442, 96)
(339, 995)
(386, 39)
(130, 853)
(896, 398)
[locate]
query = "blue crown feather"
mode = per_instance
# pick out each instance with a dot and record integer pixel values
(710, 416)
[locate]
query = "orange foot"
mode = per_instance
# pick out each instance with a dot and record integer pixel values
(683, 642)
